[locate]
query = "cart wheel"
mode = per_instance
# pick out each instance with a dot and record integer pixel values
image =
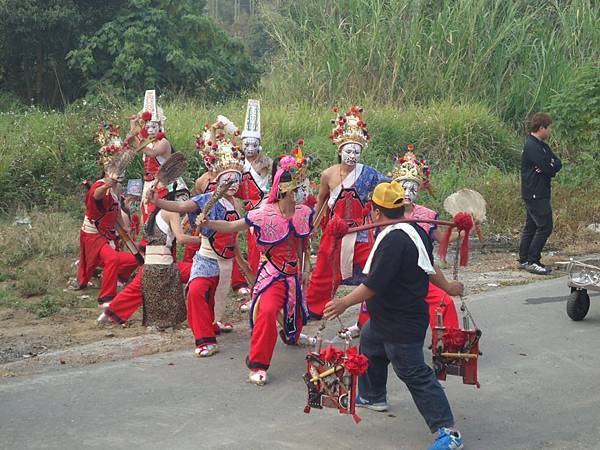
(578, 304)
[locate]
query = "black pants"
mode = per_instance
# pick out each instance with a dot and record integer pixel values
(409, 364)
(538, 227)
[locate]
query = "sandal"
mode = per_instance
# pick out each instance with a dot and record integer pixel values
(205, 350)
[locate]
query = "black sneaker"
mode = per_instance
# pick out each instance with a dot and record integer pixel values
(522, 265)
(538, 269)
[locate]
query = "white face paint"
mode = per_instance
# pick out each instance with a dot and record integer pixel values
(227, 176)
(301, 193)
(250, 146)
(411, 189)
(350, 153)
(152, 127)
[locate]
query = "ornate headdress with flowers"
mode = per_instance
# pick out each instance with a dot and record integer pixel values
(109, 138)
(408, 167)
(220, 153)
(294, 164)
(349, 128)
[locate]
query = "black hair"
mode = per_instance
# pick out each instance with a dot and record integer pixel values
(149, 228)
(274, 168)
(390, 213)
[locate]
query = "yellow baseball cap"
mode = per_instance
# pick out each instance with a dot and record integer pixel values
(389, 195)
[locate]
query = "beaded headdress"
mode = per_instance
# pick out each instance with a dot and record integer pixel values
(350, 128)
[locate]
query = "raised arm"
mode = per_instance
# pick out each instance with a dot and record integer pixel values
(173, 206)
(160, 148)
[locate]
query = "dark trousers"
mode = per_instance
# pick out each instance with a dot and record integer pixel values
(538, 227)
(409, 364)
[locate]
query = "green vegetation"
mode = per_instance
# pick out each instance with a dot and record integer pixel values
(53, 52)
(511, 55)
(456, 78)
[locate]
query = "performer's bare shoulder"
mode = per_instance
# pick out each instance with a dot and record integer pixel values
(202, 183)
(263, 165)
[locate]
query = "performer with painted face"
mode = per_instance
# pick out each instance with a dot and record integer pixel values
(152, 121)
(211, 270)
(255, 185)
(413, 175)
(158, 285)
(282, 228)
(344, 192)
(98, 235)
(207, 183)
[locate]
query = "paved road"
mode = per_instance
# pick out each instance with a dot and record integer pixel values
(540, 378)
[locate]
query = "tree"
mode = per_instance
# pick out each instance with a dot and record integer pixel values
(167, 44)
(35, 36)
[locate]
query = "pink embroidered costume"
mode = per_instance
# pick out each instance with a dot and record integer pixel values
(280, 242)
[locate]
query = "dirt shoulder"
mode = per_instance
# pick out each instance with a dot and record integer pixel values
(71, 337)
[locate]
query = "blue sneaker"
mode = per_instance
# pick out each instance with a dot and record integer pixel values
(447, 440)
(377, 406)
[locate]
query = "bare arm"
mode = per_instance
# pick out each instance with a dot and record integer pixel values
(451, 287)
(174, 222)
(187, 206)
(101, 191)
(336, 307)
(160, 148)
(224, 226)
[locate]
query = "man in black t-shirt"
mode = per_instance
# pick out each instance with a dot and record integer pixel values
(398, 272)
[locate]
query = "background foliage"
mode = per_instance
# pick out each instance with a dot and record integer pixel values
(457, 78)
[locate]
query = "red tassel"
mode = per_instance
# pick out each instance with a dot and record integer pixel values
(464, 222)
(356, 418)
(443, 250)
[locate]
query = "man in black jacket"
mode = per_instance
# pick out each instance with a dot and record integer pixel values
(538, 165)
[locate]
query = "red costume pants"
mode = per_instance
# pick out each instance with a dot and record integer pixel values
(237, 277)
(435, 297)
(130, 298)
(201, 309)
(95, 251)
(264, 334)
(253, 251)
(322, 286)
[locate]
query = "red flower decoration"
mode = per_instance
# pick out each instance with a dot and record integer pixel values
(356, 363)
(367, 209)
(144, 133)
(146, 116)
(331, 354)
(310, 201)
(300, 142)
(337, 227)
(160, 135)
(410, 147)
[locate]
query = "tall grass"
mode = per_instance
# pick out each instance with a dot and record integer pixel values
(46, 155)
(510, 54)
